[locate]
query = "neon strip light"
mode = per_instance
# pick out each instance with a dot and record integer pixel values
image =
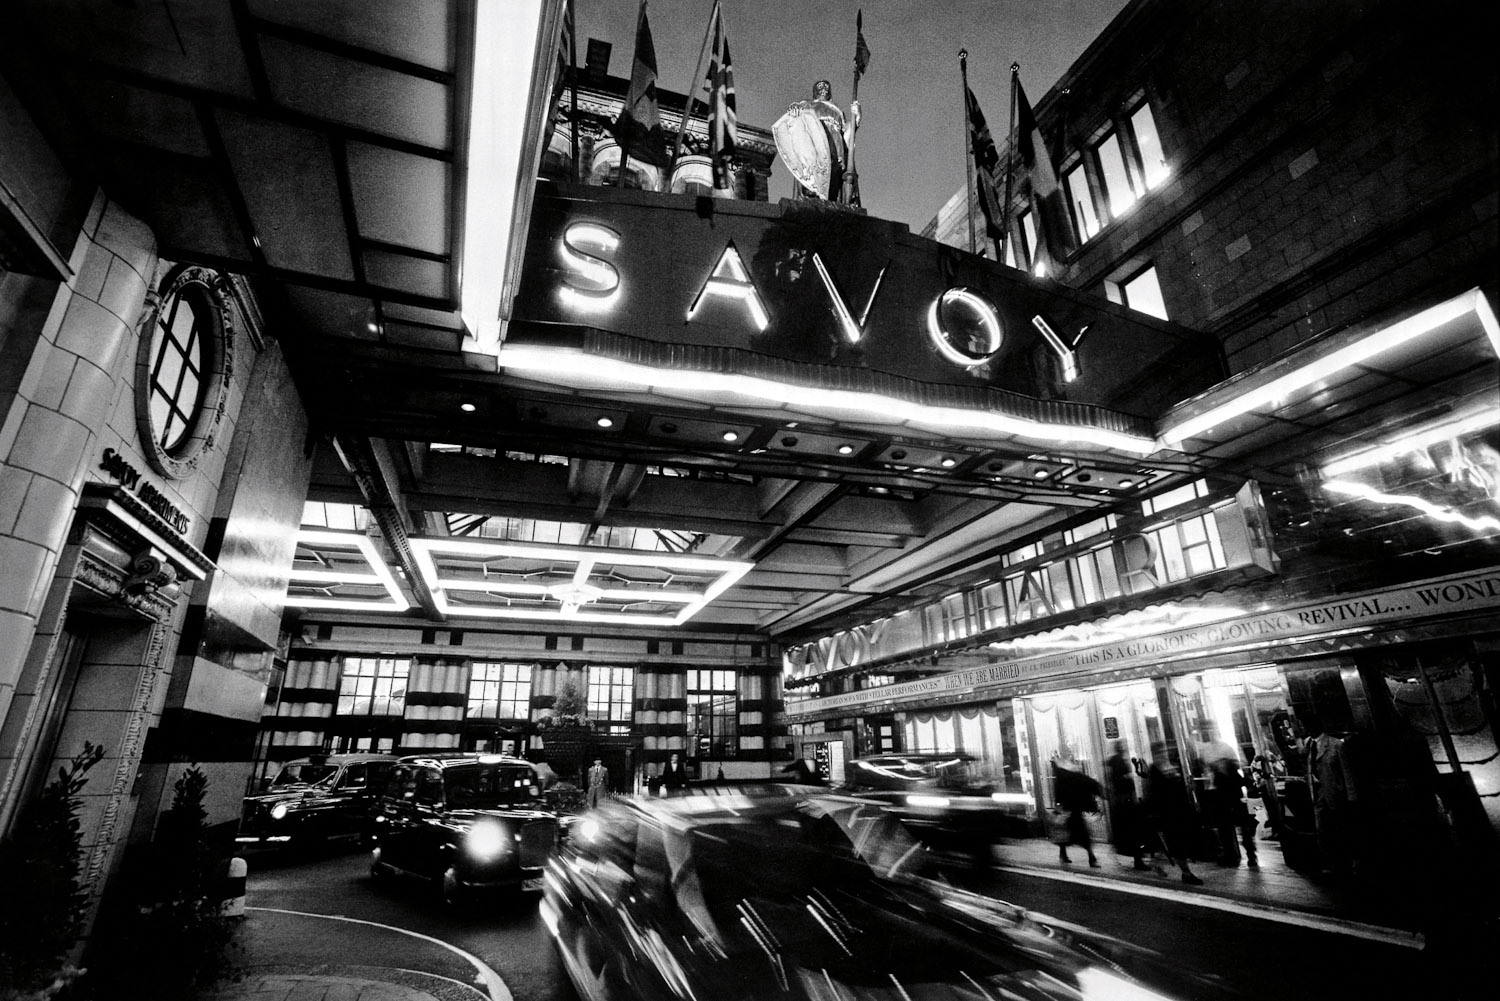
(379, 574)
(1352, 489)
(737, 286)
(852, 331)
(987, 316)
(1433, 435)
(505, 54)
(729, 571)
(1361, 350)
(1067, 354)
(547, 363)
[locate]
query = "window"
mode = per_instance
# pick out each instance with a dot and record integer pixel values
(713, 713)
(373, 686)
(1148, 145)
(1080, 201)
(1028, 238)
(1119, 194)
(500, 691)
(177, 345)
(612, 697)
(1142, 293)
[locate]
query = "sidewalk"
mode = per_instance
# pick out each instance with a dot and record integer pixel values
(292, 956)
(1273, 891)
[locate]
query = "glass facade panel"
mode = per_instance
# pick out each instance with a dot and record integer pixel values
(713, 714)
(1081, 202)
(1119, 194)
(500, 691)
(1143, 294)
(373, 686)
(1148, 142)
(612, 697)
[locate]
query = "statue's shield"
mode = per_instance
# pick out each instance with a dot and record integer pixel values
(803, 145)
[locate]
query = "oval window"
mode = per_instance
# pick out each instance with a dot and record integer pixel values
(182, 370)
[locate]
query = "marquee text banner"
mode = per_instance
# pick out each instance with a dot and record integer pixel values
(1458, 594)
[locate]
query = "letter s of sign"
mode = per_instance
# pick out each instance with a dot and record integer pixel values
(589, 280)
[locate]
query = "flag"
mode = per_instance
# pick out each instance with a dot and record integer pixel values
(723, 124)
(1054, 225)
(638, 129)
(987, 167)
(861, 50)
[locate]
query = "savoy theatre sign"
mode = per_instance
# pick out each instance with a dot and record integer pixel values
(826, 314)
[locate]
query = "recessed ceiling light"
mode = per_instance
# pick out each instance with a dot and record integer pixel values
(373, 328)
(789, 441)
(948, 462)
(898, 454)
(1127, 483)
(845, 449)
(995, 467)
(731, 436)
(1085, 477)
(467, 408)
(1039, 473)
(605, 422)
(669, 428)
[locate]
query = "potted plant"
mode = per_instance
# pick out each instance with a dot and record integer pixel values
(567, 734)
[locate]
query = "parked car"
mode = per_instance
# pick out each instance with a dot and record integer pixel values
(807, 895)
(317, 799)
(939, 796)
(467, 822)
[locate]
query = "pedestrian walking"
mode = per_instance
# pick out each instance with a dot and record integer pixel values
(1124, 805)
(598, 786)
(1169, 811)
(1077, 794)
(674, 777)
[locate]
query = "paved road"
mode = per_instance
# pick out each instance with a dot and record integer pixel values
(1261, 958)
(509, 939)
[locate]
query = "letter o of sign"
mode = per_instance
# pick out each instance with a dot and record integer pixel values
(965, 327)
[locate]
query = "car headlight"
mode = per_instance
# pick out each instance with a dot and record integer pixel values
(917, 800)
(487, 841)
(279, 811)
(586, 830)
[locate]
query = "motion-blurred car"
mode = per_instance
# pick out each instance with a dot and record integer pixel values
(467, 822)
(787, 893)
(941, 799)
(317, 799)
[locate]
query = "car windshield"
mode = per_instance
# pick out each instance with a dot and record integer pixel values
(300, 773)
(483, 785)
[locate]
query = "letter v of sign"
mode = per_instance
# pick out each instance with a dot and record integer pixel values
(852, 331)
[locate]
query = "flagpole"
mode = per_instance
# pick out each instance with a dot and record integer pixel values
(692, 91)
(625, 142)
(851, 179)
(963, 68)
(1010, 154)
(573, 86)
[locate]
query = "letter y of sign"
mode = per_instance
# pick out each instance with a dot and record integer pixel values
(852, 331)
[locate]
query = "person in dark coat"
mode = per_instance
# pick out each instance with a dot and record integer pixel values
(674, 778)
(1169, 810)
(1126, 824)
(1077, 794)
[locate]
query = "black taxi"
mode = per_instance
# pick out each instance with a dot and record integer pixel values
(467, 822)
(316, 799)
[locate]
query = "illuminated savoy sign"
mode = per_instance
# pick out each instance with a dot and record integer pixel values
(825, 299)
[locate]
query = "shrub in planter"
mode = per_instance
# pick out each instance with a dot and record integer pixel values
(174, 935)
(44, 905)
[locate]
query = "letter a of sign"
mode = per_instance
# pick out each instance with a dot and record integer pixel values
(730, 279)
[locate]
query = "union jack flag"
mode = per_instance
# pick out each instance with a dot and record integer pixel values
(723, 123)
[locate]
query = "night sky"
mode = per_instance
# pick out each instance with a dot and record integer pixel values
(910, 147)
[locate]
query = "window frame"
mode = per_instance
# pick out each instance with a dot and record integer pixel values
(519, 703)
(722, 687)
(611, 700)
(404, 664)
